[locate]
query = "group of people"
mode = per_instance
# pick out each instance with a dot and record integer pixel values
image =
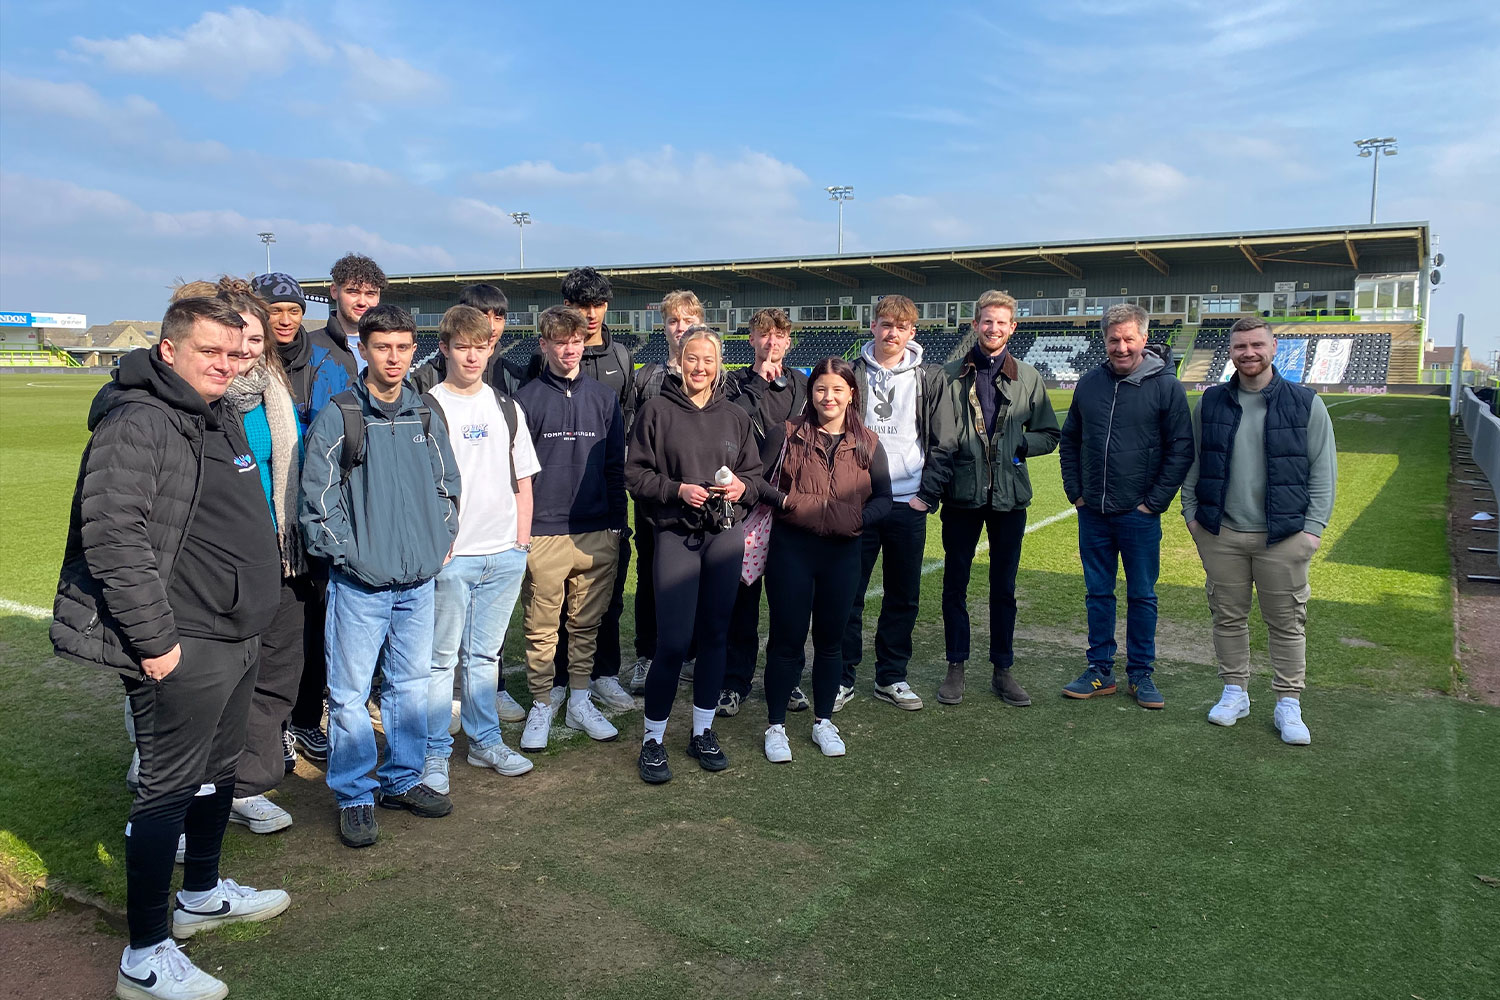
(265, 531)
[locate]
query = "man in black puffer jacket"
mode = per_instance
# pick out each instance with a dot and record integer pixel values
(170, 572)
(1126, 447)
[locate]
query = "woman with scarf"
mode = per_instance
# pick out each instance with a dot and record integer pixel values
(260, 397)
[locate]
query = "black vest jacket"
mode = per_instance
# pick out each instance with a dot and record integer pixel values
(1288, 407)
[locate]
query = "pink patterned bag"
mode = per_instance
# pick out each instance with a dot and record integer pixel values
(758, 533)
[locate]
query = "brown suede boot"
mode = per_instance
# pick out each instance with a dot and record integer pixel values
(1007, 690)
(951, 691)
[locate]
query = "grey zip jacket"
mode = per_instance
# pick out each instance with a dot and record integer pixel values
(392, 522)
(1128, 440)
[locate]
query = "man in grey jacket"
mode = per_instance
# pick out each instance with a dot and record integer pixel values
(380, 503)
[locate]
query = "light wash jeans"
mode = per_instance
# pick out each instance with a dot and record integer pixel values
(392, 626)
(472, 605)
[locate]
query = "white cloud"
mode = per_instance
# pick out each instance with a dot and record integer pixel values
(131, 121)
(386, 79)
(222, 51)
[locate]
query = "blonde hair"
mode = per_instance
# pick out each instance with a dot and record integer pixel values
(708, 333)
(897, 308)
(185, 289)
(679, 302)
(992, 299)
(465, 324)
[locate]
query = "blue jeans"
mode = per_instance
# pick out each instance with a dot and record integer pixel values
(392, 625)
(1106, 541)
(472, 602)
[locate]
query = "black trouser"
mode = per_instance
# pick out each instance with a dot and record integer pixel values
(262, 765)
(645, 587)
(744, 639)
(189, 729)
(697, 576)
(809, 578)
(313, 685)
(1005, 529)
(607, 648)
(902, 535)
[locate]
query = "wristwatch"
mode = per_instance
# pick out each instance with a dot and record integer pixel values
(524, 548)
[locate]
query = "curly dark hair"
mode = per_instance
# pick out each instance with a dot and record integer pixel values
(585, 286)
(355, 269)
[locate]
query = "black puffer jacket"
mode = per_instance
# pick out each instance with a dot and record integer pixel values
(138, 488)
(1128, 440)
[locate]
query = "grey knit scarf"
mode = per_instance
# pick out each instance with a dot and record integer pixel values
(244, 394)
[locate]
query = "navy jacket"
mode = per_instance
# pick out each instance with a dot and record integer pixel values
(318, 368)
(579, 432)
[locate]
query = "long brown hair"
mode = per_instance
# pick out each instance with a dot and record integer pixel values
(242, 298)
(854, 425)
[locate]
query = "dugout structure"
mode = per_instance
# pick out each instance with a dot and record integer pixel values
(1349, 303)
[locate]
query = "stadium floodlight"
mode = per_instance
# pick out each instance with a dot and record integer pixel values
(268, 239)
(840, 193)
(1374, 149)
(522, 220)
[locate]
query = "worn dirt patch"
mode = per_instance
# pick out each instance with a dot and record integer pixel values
(62, 955)
(1476, 605)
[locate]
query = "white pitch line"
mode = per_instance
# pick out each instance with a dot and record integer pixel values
(984, 546)
(25, 610)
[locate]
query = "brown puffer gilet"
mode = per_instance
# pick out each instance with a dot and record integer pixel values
(824, 501)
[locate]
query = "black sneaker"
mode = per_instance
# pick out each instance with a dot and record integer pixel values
(419, 800)
(711, 756)
(653, 763)
(357, 826)
(311, 742)
(288, 752)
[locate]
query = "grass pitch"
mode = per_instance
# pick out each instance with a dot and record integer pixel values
(1068, 849)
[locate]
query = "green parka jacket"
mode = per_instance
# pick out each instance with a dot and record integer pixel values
(984, 470)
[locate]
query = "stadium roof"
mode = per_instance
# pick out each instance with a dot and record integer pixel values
(1341, 246)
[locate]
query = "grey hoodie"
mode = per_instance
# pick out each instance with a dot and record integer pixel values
(892, 411)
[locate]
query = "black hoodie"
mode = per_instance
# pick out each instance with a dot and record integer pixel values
(140, 485)
(608, 363)
(674, 443)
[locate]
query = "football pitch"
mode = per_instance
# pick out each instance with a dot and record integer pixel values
(1068, 849)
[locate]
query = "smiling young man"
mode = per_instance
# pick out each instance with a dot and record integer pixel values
(903, 403)
(1002, 417)
(1257, 501)
(170, 572)
(355, 285)
(380, 491)
(1126, 446)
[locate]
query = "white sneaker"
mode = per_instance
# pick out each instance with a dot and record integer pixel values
(778, 747)
(133, 773)
(688, 666)
(1288, 722)
(826, 735)
(231, 903)
(166, 974)
(611, 695)
(638, 671)
(373, 706)
(844, 697)
(585, 715)
(500, 757)
(455, 721)
(559, 696)
(181, 848)
(899, 694)
(538, 726)
(260, 814)
(508, 708)
(435, 774)
(1234, 705)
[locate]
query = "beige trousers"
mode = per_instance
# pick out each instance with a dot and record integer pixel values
(1236, 561)
(573, 570)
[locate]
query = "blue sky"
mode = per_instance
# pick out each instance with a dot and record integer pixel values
(142, 142)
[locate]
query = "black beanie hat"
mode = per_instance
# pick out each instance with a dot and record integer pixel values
(278, 287)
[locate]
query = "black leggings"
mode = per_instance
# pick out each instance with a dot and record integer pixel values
(808, 578)
(189, 729)
(693, 572)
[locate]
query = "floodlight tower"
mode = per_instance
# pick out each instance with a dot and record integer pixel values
(1374, 149)
(268, 239)
(840, 193)
(522, 220)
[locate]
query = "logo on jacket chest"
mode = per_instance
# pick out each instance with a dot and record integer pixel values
(245, 463)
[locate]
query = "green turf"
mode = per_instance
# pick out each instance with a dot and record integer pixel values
(1070, 849)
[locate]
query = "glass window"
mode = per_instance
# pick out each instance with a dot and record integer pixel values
(1070, 307)
(1341, 301)
(1365, 297)
(966, 310)
(1405, 292)
(1385, 296)
(1177, 304)
(1249, 303)
(1159, 304)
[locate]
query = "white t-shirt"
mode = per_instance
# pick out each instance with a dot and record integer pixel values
(481, 443)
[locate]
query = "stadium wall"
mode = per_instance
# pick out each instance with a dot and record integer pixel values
(1483, 429)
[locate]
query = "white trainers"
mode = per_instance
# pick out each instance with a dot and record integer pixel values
(637, 677)
(844, 697)
(435, 774)
(899, 694)
(231, 903)
(585, 715)
(559, 695)
(778, 747)
(538, 726)
(455, 721)
(611, 695)
(500, 757)
(826, 735)
(166, 974)
(260, 814)
(1234, 705)
(508, 708)
(181, 848)
(1288, 722)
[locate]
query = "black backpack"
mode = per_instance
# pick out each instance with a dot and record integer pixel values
(353, 451)
(508, 408)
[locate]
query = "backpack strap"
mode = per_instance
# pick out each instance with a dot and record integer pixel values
(510, 411)
(353, 450)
